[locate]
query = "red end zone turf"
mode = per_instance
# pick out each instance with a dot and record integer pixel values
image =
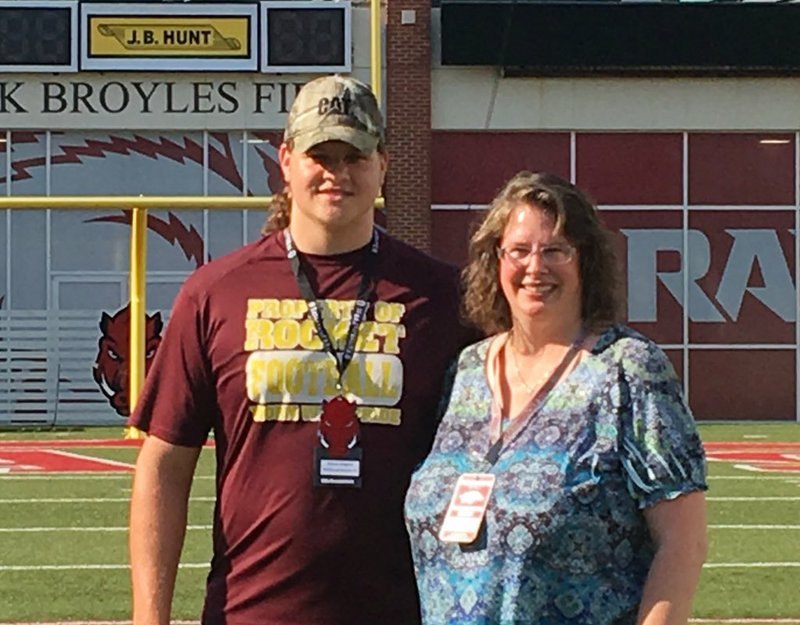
(760, 456)
(55, 461)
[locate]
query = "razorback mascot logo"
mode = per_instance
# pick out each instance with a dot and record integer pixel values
(338, 426)
(112, 367)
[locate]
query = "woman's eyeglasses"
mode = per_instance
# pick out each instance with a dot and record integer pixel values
(521, 255)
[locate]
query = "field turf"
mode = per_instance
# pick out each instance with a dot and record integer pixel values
(63, 535)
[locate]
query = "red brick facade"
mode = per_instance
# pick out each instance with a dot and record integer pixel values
(408, 107)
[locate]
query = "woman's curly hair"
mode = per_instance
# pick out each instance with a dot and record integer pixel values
(576, 218)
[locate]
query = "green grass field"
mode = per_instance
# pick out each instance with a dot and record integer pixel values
(63, 537)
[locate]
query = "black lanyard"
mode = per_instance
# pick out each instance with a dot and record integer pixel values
(535, 404)
(365, 290)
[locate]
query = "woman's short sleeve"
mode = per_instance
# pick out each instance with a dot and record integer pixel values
(661, 450)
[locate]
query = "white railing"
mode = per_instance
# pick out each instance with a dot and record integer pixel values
(46, 361)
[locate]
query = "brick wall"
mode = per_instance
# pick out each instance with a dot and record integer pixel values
(408, 107)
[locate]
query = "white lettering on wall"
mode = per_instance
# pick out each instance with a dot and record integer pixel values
(762, 247)
(750, 246)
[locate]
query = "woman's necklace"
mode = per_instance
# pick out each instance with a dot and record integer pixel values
(518, 372)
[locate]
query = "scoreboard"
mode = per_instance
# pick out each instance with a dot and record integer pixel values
(623, 38)
(301, 36)
(309, 36)
(38, 36)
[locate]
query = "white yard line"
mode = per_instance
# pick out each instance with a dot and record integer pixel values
(126, 499)
(87, 567)
(754, 527)
(11, 530)
(751, 565)
(201, 565)
(69, 454)
(88, 500)
(99, 475)
(752, 498)
(211, 498)
(699, 621)
(792, 477)
(741, 621)
(174, 622)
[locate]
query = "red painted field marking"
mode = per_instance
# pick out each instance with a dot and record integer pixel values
(56, 444)
(38, 456)
(74, 442)
(761, 456)
(55, 461)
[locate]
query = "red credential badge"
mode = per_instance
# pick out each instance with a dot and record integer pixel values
(467, 508)
(337, 459)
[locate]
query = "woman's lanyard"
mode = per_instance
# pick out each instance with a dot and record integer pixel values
(534, 405)
(365, 291)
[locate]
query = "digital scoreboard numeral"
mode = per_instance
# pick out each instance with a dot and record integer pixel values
(300, 36)
(37, 37)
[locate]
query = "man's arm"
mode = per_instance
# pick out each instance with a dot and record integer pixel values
(159, 504)
(678, 527)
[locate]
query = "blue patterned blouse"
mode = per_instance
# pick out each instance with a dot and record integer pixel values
(564, 539)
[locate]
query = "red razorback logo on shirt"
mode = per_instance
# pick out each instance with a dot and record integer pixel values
(338, 426)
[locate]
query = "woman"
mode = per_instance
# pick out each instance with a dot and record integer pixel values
(597, 513)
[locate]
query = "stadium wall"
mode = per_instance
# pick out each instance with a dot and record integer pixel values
(697, 177)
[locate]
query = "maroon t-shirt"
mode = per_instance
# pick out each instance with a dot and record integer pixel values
(241, 357)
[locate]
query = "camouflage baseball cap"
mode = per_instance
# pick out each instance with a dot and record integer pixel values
(335, 108)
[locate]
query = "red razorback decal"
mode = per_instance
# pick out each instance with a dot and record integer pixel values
(112, 366)
(757, 456)
(338, 426)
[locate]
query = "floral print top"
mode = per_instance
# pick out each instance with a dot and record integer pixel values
(564, 539)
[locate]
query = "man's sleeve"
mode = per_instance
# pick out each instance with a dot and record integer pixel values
(178, 401)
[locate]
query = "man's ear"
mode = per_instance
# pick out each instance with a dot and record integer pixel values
(284, 157)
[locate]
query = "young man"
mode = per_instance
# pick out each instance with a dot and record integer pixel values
(316, 356)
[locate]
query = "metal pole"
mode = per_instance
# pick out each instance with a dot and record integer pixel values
(375, 49)
(138, 308)
(127, 202)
